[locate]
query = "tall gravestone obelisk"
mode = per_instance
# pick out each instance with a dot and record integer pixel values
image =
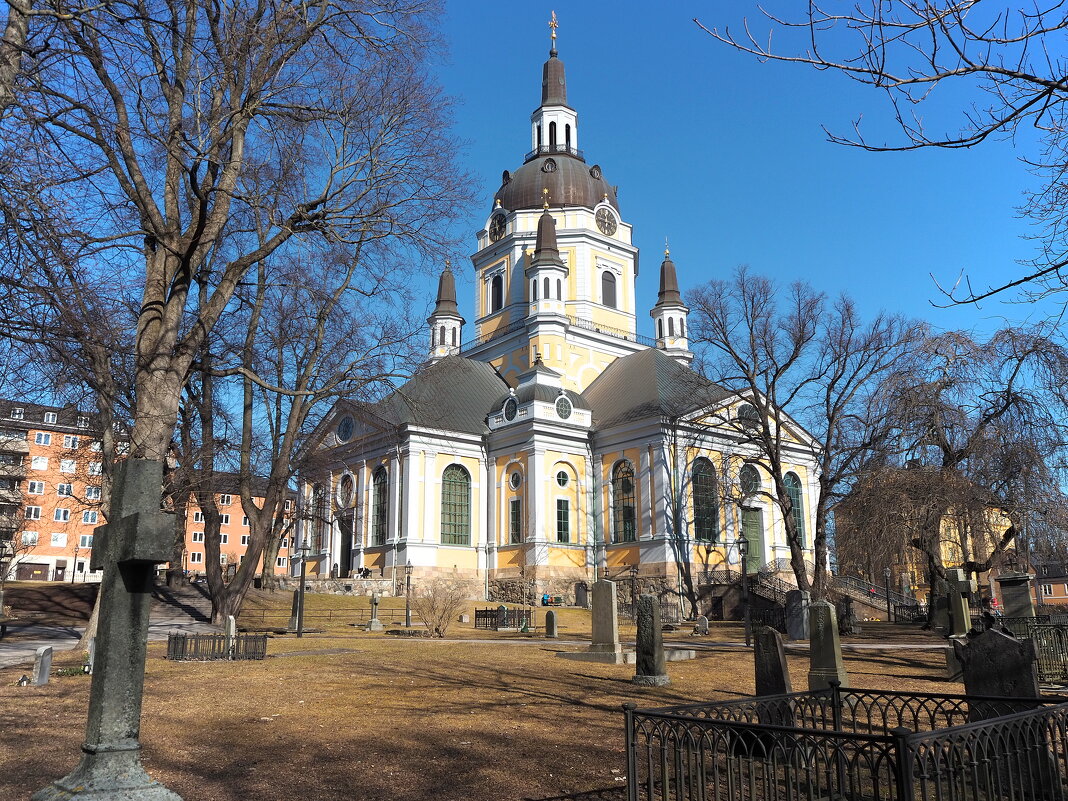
(137, 536)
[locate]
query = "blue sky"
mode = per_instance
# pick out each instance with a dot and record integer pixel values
(726, 156)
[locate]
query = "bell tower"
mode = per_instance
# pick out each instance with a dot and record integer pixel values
(669, 315)
(446, 324)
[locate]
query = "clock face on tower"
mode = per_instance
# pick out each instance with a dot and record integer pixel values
(606, 221)
(496, 227)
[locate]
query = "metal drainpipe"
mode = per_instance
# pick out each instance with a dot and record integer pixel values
(596, 531)
(490, 502)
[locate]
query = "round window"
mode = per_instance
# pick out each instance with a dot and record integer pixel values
(510, 409)
(345, 428)
(749, 479)
(346, 487)
(561, 478)
(515, 480)
(563, 407)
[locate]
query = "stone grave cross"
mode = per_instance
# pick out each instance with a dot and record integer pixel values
(138, 536)
(960, 616)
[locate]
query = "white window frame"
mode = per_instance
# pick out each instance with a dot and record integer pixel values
(280, 561)
(68, 466)
(61, 515)
(51, 418)
(90, 517)
(96, 468)
(83, 421)
(1047, 589)
(244, 521)
(42, 438)
(58, 539)
(225, 519)
(30, 539)
(244, 539)
(18, 413)
(65, 490)
(198, 536)
(85, 541)
(92, 493)
(33, 512)
(39, 463)
(225, 500)
(35, 488)
(70, 442)
(224, 539)
(196, 558)
(198, 517)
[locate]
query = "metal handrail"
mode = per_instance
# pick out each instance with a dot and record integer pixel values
(545, 150)
(587, 325)
(865, 588)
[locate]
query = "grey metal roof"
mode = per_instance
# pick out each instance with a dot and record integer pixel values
(569, 180)
(646, 384)
(455, 394)
(540, 392)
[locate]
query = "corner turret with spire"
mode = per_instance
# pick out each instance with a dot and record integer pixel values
(446, 324)
(669, 314)
(554, 124)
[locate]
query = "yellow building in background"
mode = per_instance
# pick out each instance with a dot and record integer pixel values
(558, 444)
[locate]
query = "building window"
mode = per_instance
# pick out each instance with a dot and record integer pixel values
(515, 520)
(90, 517)
(285, 542)
(546, 287)
(496, 296)
(70, 442)
(33, 512)
(17, 413)
(198, 536)
(29, 538)
(198, 517)
(224, 539)
(96, 446)
(59, 540)
(562, 478)
(224, 520)
(747, 415)
(534, 290)
(92, 493)
(42, 438)
(62, 515)
(39, 463)
(559, 289)
(455, 506)
(244, 539)
(1047, 589)
(65, 490)
(749, 480)
(563, 520)
(624, 517)
(95, 468)
(705, 501)
(793, 489)
(225, 500)
(35, 488)
(67, 466)
(381, 507)
(50, 417)
(289, 506)
(83, 421)
(280, 561)
(196, 557)
(244, 521)
(608, 289)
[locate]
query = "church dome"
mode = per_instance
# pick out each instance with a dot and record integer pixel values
(570, 181)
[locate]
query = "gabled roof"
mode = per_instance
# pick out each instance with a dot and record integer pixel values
(454, 393)
(646, 384)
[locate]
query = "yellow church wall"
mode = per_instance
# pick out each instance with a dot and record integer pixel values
(459, 557)
(622, 556)
(575, 466)
(641, 502)
(505, 466)
(509, 556)
(567, 557)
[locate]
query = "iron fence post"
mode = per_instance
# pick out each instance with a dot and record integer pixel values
(632, 755)
(902, 763)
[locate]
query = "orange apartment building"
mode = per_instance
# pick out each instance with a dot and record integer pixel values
(50, 469)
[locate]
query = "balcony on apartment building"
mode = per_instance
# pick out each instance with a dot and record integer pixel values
(13, 441)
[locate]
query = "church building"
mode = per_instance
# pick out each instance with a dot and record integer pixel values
(555, 444)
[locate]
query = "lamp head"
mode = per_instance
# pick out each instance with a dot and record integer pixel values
(743, 545)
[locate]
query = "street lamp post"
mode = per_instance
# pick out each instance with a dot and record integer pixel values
(74, 567)
(304, 550)
(886, 575)
(743, 554)
(634, 590)
(408, 595)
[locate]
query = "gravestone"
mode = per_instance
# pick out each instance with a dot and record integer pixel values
(702, 626)
(605, 646)
(42, 665)
(294, 611)
(650, 666)
(550, 625)
(230, 631)
(938, 605)
(769, 662)
(582, 595)
(465, 618)
(374, 624)
(825, 649)
(993, 663)
(1016, 598)
(847, 617)
(797, 602)
(90, 656)
(960, 615)
(137, 537)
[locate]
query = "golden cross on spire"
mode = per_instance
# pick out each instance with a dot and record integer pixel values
(553, 25)
(667, 250)
(448, 264)
(545, 194)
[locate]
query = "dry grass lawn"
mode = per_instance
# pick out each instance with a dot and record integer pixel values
(350, 715)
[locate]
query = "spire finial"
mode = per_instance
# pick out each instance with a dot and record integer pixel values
(667, 248)
(448, 264)
(545, 195)
(553, 25)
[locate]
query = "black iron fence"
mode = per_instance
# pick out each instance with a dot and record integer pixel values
(1051, 646)
(669, 611)
(850, 744)
(1017, 626)
(908, 613)
(775, 617)
(210, 647)
(501, 618)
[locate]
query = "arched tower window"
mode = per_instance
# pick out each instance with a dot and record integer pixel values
(548, 293)
(682, 326)
(455, 336)
(559, 289)
(567, 136)
(671, 326)
(608, 289)
(660, 328)
(380, 504)
(534, 290)
(455, 506)
(539, 134)
(441, 336)
(433, 337)
(552, 135)
(624, 504)
(705, 501)
(496, 293)
(793, 489)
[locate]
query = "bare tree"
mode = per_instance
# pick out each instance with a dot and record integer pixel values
(1010, 59)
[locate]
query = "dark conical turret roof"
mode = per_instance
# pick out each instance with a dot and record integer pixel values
(669, 283)
(546, 241)
(446, 303)
(553, 86)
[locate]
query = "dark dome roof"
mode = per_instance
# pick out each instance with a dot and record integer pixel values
(571, 183)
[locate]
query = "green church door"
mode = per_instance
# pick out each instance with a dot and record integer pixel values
(753, 529)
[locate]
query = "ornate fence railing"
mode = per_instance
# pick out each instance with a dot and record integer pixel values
(849, 744)
(500, 618)
(669, 611)
(775, 617)
(865, 590)
(909, 613)
(1051, 646)
(211, 647)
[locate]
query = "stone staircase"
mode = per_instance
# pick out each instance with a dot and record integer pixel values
(190, 602)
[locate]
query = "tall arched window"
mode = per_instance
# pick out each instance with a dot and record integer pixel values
(559, 289)
(380, 506)
(682, 326)
(455, 506)
(433, 337)
(539, 134)
(567, 136)
(705, 501)
(534, 290)
(660, 328)
(455, 336)
(624, 504)
(793, 489)
(548, 292)
(608, 289)
(496, 293)
(552, 135)
(671, 326)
